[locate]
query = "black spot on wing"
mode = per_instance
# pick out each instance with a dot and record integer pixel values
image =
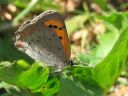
(50, 26)
(60, 28)
(60, 37)
(55, 26)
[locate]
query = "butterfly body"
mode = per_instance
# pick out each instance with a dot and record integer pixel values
(45, 38)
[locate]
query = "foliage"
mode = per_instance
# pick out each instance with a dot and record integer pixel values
(96, 81)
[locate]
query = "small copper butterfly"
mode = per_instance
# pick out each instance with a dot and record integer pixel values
(45, 38)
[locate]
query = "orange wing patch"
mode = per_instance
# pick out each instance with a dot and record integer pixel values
(59, 29)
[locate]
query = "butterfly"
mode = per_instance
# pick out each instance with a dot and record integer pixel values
(45, 39)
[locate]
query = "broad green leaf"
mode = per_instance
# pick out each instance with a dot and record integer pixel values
(71, 88)
(109, 69)
(52, 86)
(23, 75)
(100, 78)
(13, 90)
(115, 19)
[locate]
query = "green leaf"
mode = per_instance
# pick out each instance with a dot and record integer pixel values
(109, 69)
(71, 88)
(115, 19)
(12, 90)
(51, 87)
(23, 75)
(99, 79)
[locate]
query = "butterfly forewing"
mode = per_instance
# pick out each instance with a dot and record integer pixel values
(46, 39)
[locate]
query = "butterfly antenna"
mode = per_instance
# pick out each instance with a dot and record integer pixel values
(81, 63)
